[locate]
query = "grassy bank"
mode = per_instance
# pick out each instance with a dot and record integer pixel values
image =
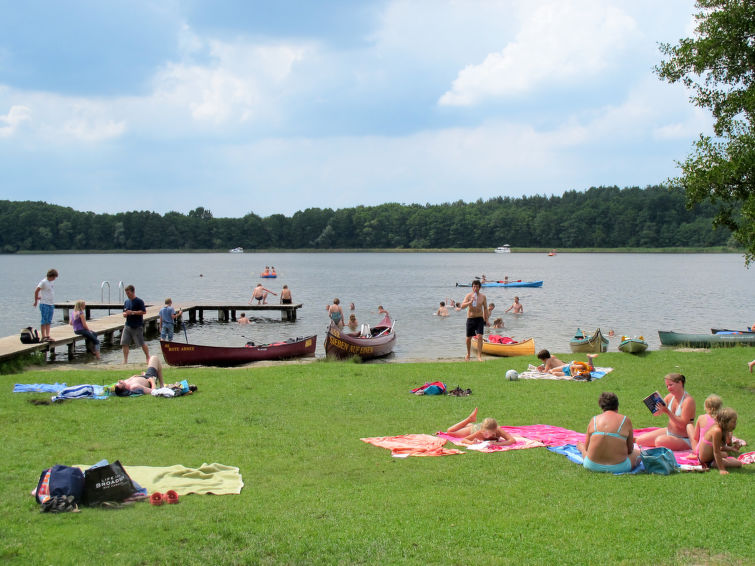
(316, 494)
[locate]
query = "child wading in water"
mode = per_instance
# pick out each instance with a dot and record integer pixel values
(711, 449)
(472, 432)
(712, 405)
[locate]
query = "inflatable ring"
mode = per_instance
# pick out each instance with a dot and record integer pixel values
(582, 368)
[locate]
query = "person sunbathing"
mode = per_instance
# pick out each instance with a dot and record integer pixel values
(609, 442)
(472, 432)
(144, 382)
(575, 368)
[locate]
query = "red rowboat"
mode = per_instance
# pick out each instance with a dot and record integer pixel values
(375, 343)
(178, 354)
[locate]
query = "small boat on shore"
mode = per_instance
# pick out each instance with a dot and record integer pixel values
(633, 345)
(670, 338)
(523, 348)
(504, 249)
(586, 343)
(370, 342)
(179, 354)
(505, 284)
(238, 250)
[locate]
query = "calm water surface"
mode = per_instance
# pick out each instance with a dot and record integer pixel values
(635, 294)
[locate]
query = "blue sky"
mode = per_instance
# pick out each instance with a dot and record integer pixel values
(273, 107)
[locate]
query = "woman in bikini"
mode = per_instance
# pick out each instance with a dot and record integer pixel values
(336, 313)
(609, 442)
(680, 408)
(472, 432)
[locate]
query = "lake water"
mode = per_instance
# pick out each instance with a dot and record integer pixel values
(635, 294)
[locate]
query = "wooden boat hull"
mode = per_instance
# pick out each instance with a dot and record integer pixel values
(669, 338)
(509, 284)
(523, 348)
(178, 354)
(342, 345)
(590, 344)
(633, 346)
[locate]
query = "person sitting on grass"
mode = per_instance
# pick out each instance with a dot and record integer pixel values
(142, 383)
(472, 432)
(609, 442)
(697, 431)
(679, 406)
(712, 450)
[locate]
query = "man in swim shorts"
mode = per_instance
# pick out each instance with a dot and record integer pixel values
(477, 317)
(133, 331)
(145, 382)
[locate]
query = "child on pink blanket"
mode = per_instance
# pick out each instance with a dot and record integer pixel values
(472, 432)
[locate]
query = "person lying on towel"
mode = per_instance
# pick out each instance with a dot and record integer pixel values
(144, 382)
(472, 432)
(609, 442)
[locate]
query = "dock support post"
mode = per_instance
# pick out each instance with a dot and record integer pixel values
(67, 315)
(233, 315)
(193, 315)
(71, 349)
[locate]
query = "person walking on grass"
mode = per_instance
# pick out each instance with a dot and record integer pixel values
(44, 295)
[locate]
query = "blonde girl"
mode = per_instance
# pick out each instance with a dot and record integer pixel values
(472, 432)
(80, 327)
(713, 404)
(711, 450)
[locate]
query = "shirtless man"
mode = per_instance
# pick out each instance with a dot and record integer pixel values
(477, 317)
(516, 307)
(260, 294)
(243, 319)
(144, 382)
(442, 310)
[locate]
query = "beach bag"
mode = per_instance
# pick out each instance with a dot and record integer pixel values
(108, 482)
(60, 481)
(29, 335)
(659, 460)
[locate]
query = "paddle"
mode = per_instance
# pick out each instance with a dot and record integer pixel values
(183, 325)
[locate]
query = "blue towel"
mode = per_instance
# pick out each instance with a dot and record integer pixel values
(81, 392)
(38, 387)
(572, 453)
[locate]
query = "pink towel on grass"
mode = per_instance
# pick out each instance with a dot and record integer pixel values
(412, 445)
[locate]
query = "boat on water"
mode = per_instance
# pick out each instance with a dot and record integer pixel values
(179, 354)
(523, 348)
(670, 338)
(504, 249)
(505, 284)
(238, 250)
(268, 275)
(551, 253)
(589, 343)
(633, 345)
(368, 343)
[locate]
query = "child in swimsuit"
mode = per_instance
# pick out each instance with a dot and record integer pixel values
(472, 432)
(711, 449)
(712, 405)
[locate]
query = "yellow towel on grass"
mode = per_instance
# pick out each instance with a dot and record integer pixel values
(217, 479)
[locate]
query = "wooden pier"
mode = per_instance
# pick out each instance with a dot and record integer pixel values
(105, 327)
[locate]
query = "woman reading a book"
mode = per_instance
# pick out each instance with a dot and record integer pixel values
(609, 442)
(680, 408)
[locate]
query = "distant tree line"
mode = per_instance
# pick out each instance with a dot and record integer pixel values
(602, 217)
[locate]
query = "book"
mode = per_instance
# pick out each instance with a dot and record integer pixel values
(653, 400)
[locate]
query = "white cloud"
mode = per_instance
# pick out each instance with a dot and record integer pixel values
(10, 122)
(558, 42)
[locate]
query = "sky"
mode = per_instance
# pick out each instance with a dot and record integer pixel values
(247, 106)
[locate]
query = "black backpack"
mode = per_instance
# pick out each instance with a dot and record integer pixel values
(29, 335)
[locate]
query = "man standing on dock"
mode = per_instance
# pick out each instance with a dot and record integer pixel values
(133, 311)
(44, 294)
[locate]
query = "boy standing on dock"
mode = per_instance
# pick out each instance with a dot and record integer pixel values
(133, 311)
(167, 319)
(44, 294)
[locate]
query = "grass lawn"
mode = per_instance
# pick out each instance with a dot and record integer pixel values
(315, 494)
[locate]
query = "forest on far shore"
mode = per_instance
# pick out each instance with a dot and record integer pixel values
(601, 217)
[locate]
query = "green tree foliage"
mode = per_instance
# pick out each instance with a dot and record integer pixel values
(603, 217)
(718, 66)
